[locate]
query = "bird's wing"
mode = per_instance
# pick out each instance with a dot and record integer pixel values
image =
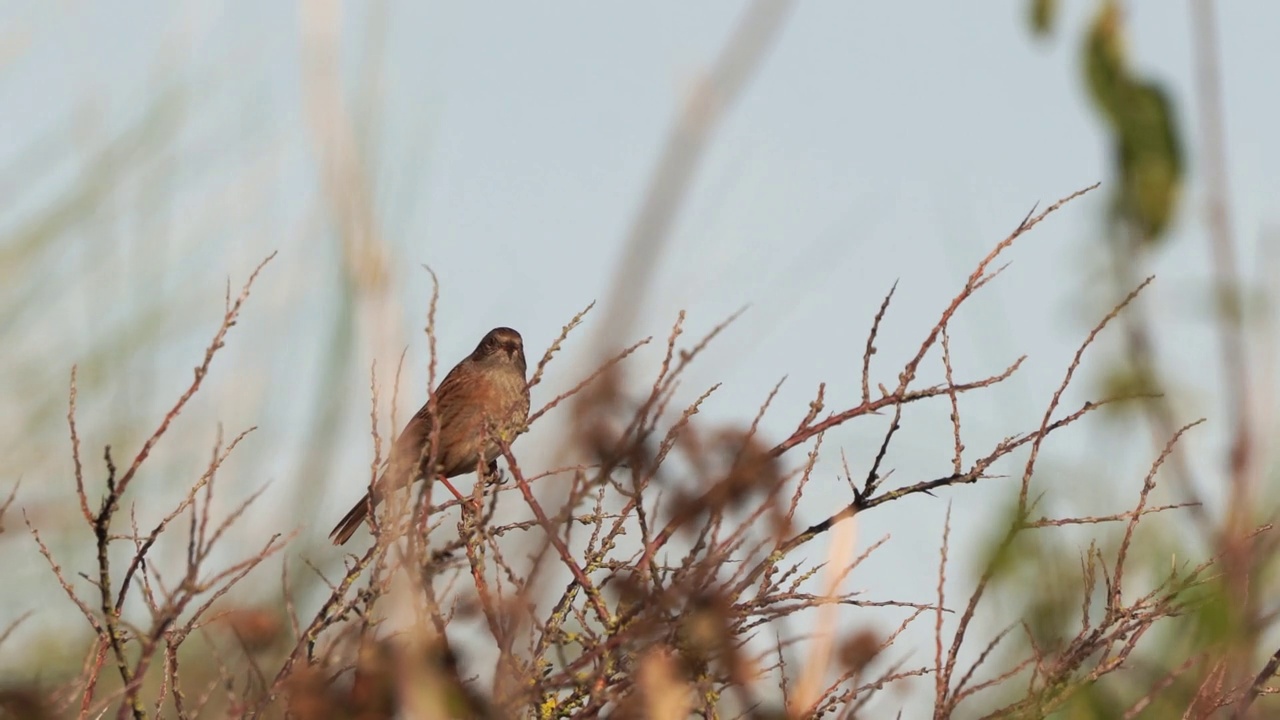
(449, 410)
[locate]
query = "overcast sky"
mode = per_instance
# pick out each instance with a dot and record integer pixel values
(879, 142)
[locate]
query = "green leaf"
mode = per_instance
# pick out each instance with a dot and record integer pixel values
(1042, 16)
(1106, 72)
(1151, 158)
(1147, 146)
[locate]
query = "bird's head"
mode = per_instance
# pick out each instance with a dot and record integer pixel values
(501, 343)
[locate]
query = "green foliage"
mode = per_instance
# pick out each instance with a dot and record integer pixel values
(1146, 145)
(1043, 14)
(1130, 385)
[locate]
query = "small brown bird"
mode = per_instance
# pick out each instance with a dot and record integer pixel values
(484, 394)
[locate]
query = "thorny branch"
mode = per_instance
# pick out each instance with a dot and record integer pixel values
(662, 578)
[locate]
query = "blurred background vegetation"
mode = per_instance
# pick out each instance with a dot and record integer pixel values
(130, 207)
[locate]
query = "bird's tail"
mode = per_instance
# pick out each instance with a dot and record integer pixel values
(352, 521)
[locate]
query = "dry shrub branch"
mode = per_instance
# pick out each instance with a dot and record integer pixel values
(661, 575)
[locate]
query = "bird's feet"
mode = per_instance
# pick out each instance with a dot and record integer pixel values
(493, 475)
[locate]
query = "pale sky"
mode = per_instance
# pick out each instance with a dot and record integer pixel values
(880, 142)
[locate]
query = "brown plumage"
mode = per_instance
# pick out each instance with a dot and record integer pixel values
(483, 394)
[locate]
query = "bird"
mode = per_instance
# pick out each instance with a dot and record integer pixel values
(484, 395)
